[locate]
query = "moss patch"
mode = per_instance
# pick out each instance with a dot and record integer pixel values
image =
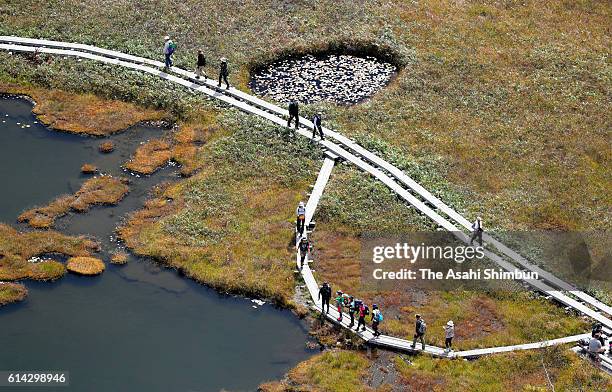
(12, 292)
(102, 190)
(106, 147)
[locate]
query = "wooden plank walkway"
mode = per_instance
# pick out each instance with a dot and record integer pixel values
(360, 151)
(237, 99)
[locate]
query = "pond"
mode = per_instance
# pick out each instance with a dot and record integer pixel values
(135, 327)
(339, 78)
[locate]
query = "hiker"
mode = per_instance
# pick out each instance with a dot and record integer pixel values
(316, 125)
(300, 212)
(294, 112)
(377, 317)
(200, 64)
(304, 248)
(477, 231)
(351, 311)
(449, 334)
(597, 331)
(419, 331)
(169, 48)
(339, 304)
(325, 295)
(223, 73)
(595, 348)
(363, 312)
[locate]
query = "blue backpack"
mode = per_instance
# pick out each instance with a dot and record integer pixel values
(380, 316)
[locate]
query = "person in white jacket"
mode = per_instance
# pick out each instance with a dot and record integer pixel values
(300, 213)
(449, 334)
(477, 231)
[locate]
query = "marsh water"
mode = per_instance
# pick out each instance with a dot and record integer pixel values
(138, 327)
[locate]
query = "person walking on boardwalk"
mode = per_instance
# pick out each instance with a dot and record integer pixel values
(316, 125)
(377, 317)
(419, 331)
(325, 293)
(351, 311)
(223, 73)
(339, 304)
(304, 248)
(294, 112)
(449, 334)
(477, 231)
(169, 49)
(200, 64)
(300, 213)
(363, 311)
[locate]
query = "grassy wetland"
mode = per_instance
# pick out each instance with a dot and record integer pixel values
(500, 108)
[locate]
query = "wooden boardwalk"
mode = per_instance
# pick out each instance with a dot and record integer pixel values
(399, 182)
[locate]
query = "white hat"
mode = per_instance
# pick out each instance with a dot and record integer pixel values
(166, 38)
(319, 113)
(223, 60)
(450, 323)
(478, 218)
(301, 204)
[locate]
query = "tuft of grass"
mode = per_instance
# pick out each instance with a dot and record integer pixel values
(84, 265)
(82, 113)
(101, 190)
(88, 168)
(149, 157)
(12, 292)
(106, 147)
(119, 258)
(17, 248)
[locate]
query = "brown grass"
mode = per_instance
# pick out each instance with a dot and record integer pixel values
(149, 157)
(12, 292)
(88, 169)
(96, 190)
(84, 265)
(17, 248)
(119, 258)
(106, 147)
(83, 113)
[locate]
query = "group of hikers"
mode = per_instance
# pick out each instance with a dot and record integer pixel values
(294, 111)
(356, 307)
(170, 48)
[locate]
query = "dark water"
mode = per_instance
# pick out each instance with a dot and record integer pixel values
(138, 327)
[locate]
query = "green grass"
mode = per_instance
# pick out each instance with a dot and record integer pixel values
(498, 97)
(519, 371)
(251, 177)
(333, 371)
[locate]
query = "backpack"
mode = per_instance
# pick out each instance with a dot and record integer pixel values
(422, 327)
(366, 310)
(380, 316)
(172, 48)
